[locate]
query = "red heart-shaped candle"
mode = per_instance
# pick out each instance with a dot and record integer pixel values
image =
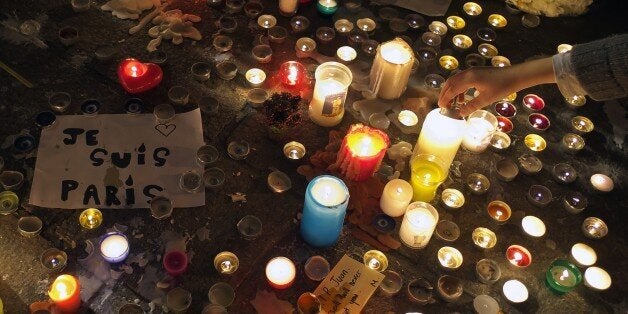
(136, 77)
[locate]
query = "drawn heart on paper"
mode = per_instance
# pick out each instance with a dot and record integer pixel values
(165, 129)
(136, 77)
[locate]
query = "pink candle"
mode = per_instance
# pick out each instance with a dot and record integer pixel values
(505, 109)
(533, 102)
(538, 121)
(175, 263)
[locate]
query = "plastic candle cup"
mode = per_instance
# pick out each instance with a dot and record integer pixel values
(539, 195)
(327, 7)
(576, 100)
(535, 142)
(266, 21)
(175, 263)
(487, 271)
(562, 48)
(54, 260)
(515, 291)
(299, 24)
(326, 200)
(481, 125)
(447, 231)
(343, 26)
(562, 276)
(418, 225)
(485, 304)
(427, 173)
(500, 61)
(455, 22)
(280, 272)
(366, 24)
(252, 9)
(249, 227)
(431, 39)
(449, 258)
(392, 283)
(114, 247)
(538, 122)
(583, 255)
(463, 42)
(226, 263)
(395, 198)
(438, 28)
(316, 268)
(497, 21)
(484, 238)
(487, 50)
(472, 9)
(449, 288)
(65, 292)
(255, 77)
(452, 198)
(478, 183)
(332, 81)
(533, 226)
(391, 69)
(564, 173)
(500, 141)
(305, 47)
(574, 202)
(594, 228)
(486, 34)
(90, 218)
(474, 60)
(602, 182)
(361, 152)
(533, 102)
(346, 54)
(530, 164)
(506, 169)
(505, 109)
(448, 63)
(582, 124)
(597, 279)
(294, 150)
(375, 260)
(220, 293)
(29, 226)
(518, 256)
(499, 211)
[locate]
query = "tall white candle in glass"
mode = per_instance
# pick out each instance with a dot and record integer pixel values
(481, 125)
(396, 197)
(328, 101)
(440, 136)
(391, 69)
(418, 225)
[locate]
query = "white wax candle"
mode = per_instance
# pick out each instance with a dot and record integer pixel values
(255, 77)
(329, 192)
(515, 291)
(478, 135)
(533, 226)
(597, 278)
(391, 69)
(408, 118)
(440, 136)
(583, 254)
(417, 226)
(114, 246)
(346, 54)
(322, 90)
(280, 272)
(602, 182)
(395, 198)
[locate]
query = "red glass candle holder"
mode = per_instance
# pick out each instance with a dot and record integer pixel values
(175, 263)
(505, 109)
(292, 74)
(538, 122)
(518, 256)
(533, 102)
(136, 77)
(504, 124)
(361, 152)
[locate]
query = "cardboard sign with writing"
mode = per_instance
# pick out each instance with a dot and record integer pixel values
(116, 161)
(348, 287)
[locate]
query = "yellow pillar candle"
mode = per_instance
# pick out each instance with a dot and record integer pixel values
(428, 172)
(391, 69)
(440, 136)
(395, 198)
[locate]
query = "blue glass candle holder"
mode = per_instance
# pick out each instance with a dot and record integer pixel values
(327, 7)
(326, 200)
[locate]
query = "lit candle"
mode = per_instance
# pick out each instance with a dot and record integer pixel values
(305, 47)
(136, 77)
(505, 109)
(391, 69)
(472, 9)
(346, 54)
(395, 198)
(484, 238)
(343, 26)
(327, 7)
(518, 256)
(280, 272)
(538, 122)
(65, 292)
(418, 225)
(326, 199)
(226, 263)
(487, 50)
(499, 211)
(594, 228)
(427, 173)
(175, 262)
(375, 260)
(255, 77)
(575, 202)
(366, 24)
(533, 226)
(438, 28)
(583, 254)
(485, 304)
(448, 63)
(562, 276)
(327, 105)
(266, 21)
(463, 42)
(455, 22)
(573, 143)
(478, 183)
(500, 141)
(562, 48)
(582, 124)
(539, 195)
(299, 23)
(533, 102)
(408, 118)
(288, 7)
(487, 271)
(602, 182)
(449, 258)
(576, 100)
(452, 198)
(440, 136)
(500, 61)
(90, 218)
(481, 125)
(515, 291)
(114, 247)
(292, 73)
(597, 279)
(535, 142)
(361, 152)
(294, 150)
(497, 21)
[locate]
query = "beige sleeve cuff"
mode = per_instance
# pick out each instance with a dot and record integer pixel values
(566, 79)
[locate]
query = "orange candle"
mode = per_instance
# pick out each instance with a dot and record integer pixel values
(361, 152)
(65, 292)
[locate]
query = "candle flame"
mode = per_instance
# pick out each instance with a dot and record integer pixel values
(564, 275)
(373, 263)
(62, 290)
(498, 213)
(365, 145)
(293, 73)
(226, 266)
(399, 190)
(518, 257)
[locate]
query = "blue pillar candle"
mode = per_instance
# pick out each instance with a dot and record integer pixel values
(326, 199)
(327, 7)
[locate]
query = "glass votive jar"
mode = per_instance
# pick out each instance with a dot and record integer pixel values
(277, 34)
(90, 218)
(572, 143)
(499, 212)
(262, 53)
(325, 34)
(500, 61)
(226, 70)
(504, 124)
(602, 182)
(178, 95)
(594, 228)
(255, 77)
(427, 55)
(487, 271)
(574, 202)
(299, 24)
(54, 260)
(481, 125)
(414, 21)
(447, 230)
(227, 24)
(201, 71)
(505, 109)
(375, 260)
(539, 195)
(59, 101)
(564, 173)
(535, 142)
(68, 35)
(366, 24)
(434, 81)
(11, 180)
(449, 288)
(266, 21)
(474, 60)
(597, 278)
(343, 26)
(487, 51)
(452, 198)
(506, 169)
(317, 267)
(449, 258)
(583, 255)
(356, 37)
(420, 291)
(484, 238)
(249, 227)
(226, 263)
(533, 226)
(369, 47)
(582, 124)
(485, 304)
(431, 39)
(438, 28)
(533, 102)
(161, 207)
(9, 202)
(472, 9)
(497, 21)
(448, 63)
(346, 54)
(213, 178)
(562, 48)
(253, 9)
(530, 164)
(518, 256)
(515, 291)
(29, 226)
(576, 101)
(486, 34)
(91, 107)
(478, 183)
(562, 276)
(221, 293)
(391, 284)
(206, 155)
(455, 22)
(191, 181)
(305, 47)
(530, 20)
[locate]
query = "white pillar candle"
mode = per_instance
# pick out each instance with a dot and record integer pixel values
(481, 125)
(515, 291)
(440, 136)
(395, 198)
(583, 254)
(280, 272)
(533, 226)
(602, 182)
(391, 69)
(597, 278)
(418, 225)
(327, 105)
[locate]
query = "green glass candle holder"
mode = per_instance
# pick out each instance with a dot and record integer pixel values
(327, 7)
(562, 276)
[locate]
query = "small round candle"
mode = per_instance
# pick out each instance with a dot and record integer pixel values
(327, 7)
(114, 247)
(518, 256)
(538, 122)
(455, 22)
(535, 142)
(487, 271)
(562, 48)
(90, 218)
(582, 124)
(65, 292)
(484, 238)
(602, 182)
(539, 195)
(462, 42)
(395, 198)
(500, 141)
(486, 34)
(472, 9)
(449, 258)
(594, 228)
(505, 109)
(533, 226)
(449, 288)
(485, 304)
(54, 260)
(255, 77)
(292, 73)
(343, 26)
(452, 198)
(226, 262)
(500, 61)
(316, 268)
(506, 169)
(533, 102)
(408, 118)
(478, 183)
(499, 211)
(175, 262)
(438, 28)
(573, 143)
(392, 283)
(280, 272)
(366, 24)
(487, 50)
(530, 164)
(576, 101)
(294, 150)
(346, 54)
(325, 34)
(431, 39)
(304, 47)
(583, 254)
(299, 23)
(597, 278)
(497, 21)
(574, 202)
(564, 173)
(562, 276)
(266, 21)
(375, 260)
(448, 63)
(515, 291)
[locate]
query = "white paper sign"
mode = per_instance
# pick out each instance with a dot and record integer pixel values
(116, 161)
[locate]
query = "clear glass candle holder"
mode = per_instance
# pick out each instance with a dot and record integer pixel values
(178, 300)
(392, 283)
(539, 195)
(487, 271)
(161, 207)
(54, 260)
(221, 293)
(179, 95)
(574, 202)
(29, 226)
(481, 125)
(249, 227)
(59, 101)
(431, 39)
(226, 263)
(299, 24)
(262, 53)
(200, 71)
(478, 183)
(253, 9)
(191, 181)
(486, 34)
(238, 150)
(325, 34)
(226, 70)
(564, 173)
(294, 150)
(9, 202)
(213, 178)
(487, 51)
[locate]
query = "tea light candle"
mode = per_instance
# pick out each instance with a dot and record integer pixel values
(366, 24)
(299, 24)
(361, 152)
(562, 48)
(316, 268)
(249, 227)
(484, 304)
(262, 53)
(575, 202)
(564, 173)
(408, 118)
(602, 182)
(90, 218)
(392, 283)
(280, 272)
(562, 276)
(497, 21)
(431, 39)
(472, 9)
(226, 263)
(486, 34)
(327, 105)
(255, 77)
(529, 164)
(448, 63)
(515, 291)
(500, 141)
(583, 254)
(375, 260)
(582, 124)
(395, 198)
(449, 258)
(478, 183)
(499, 211)
(418, 225)
(455, 22)
(54, 260)
(175, 263)
(487, 271)
(452, 198)
(505, 109)
(292, 73)
(538, 122)
(449, 288)
(266, 21)
(500, 61)
(539, 195)
(427, 173)
(487, 50)
(420, 291)
(506, 169)
(391, 69)
(137, 77)
(535, 142)
(518, 256)
(305, 47)
(530, 20)
(294, 150)
(510, 97)
(533, 226)
(474, 60)
(327, 7)
(65, 292)
(326, 200)
(597, 278)
(594, 228)
(346, 54)
(484, 238)
(533, 102)
(463, 42)
(573, 143)
(114, 247)
(438, 28)
(447, 231)
(576, 101)
(434, 81)
(343, 26)
(481, 125)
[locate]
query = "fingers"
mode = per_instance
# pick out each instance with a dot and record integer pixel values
(455, 85)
